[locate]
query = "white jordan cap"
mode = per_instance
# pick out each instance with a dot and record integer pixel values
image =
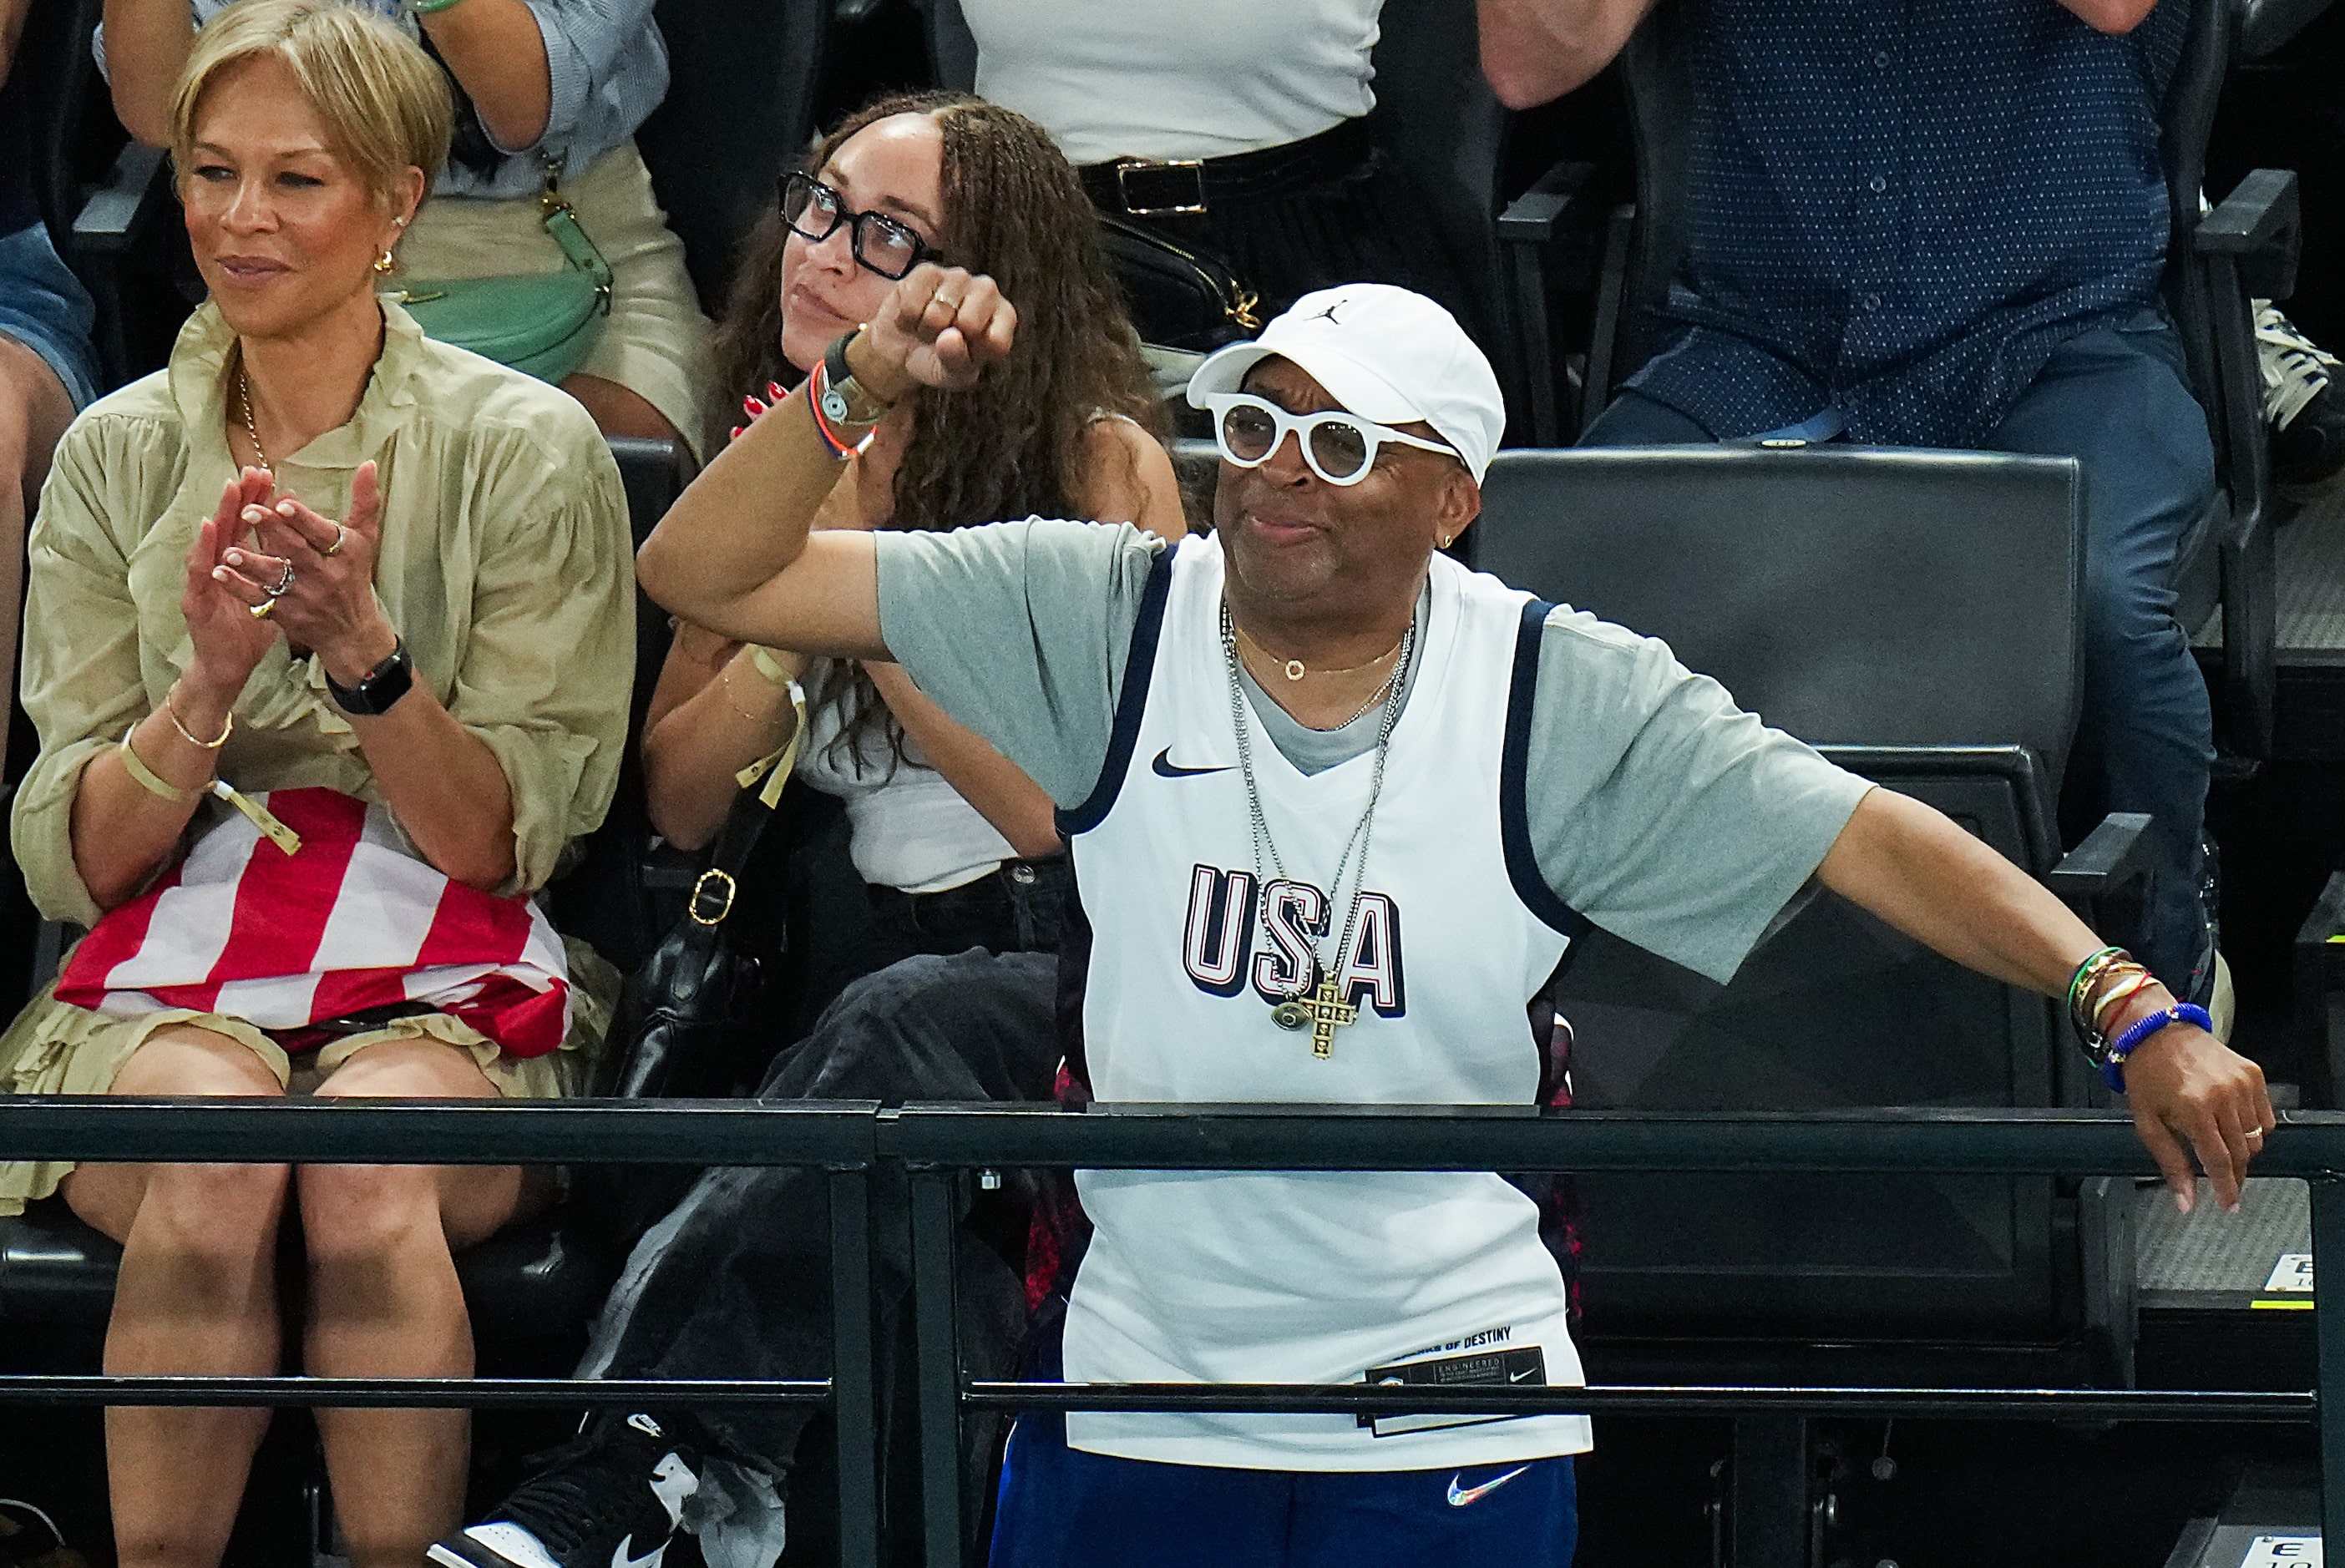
(1384, 353)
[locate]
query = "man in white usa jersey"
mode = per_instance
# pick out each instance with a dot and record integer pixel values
(1337, 807)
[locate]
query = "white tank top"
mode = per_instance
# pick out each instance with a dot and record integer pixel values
(1316, 1278)
(1175, 78)
(907, 827)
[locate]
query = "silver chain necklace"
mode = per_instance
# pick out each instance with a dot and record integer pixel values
(1315, 1003)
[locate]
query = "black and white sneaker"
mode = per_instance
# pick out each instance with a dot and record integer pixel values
(2303, 399)
(610, 1500)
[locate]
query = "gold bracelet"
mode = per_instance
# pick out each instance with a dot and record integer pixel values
(226, 730)
(2111, 977)
(725, 679)
(2112, 1003)
(148, 778)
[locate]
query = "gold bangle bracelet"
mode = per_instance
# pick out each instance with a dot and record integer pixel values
(227, 729)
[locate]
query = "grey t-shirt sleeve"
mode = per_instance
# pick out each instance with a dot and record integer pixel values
(1660, 810)
(1021, 631)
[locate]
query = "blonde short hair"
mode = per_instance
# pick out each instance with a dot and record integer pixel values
(385, 104)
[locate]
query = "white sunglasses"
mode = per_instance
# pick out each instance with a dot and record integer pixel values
(1340, 447)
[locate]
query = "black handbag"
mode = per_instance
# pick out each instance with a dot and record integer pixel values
(1178, 298)
(696, 998)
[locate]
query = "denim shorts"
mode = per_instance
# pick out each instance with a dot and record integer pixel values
(44, 307)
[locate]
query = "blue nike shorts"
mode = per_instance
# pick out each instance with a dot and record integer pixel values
(1064, 1509)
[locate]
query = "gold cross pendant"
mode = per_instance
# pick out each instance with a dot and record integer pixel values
(1323, 1011)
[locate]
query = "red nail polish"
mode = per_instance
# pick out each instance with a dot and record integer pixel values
(775, 391)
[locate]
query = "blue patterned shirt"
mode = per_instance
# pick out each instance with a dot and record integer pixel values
(1899, 209)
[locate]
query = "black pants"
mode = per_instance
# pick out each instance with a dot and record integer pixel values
(1366, 226)
(734, 1282)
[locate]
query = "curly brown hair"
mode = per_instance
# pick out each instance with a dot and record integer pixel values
(1015, 444)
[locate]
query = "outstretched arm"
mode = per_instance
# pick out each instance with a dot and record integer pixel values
(1916, 870)
(735, 555)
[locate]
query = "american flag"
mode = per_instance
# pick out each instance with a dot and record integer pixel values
(351, 922)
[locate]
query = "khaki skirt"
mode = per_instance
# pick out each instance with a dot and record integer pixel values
(56, 1048)
(654, 342)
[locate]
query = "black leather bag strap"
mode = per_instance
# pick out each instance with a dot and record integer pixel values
(718, 887)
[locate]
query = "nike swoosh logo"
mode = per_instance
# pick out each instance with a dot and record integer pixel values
(621, 1558)
(1167, 768)
(1460, 1498)
(1525, 1375)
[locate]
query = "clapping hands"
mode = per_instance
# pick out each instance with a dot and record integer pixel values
(313, 576)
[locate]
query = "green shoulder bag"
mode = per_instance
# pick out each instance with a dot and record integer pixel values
(541, 325)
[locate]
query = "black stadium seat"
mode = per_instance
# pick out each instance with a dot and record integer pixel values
(1917, 611)
(743, 76)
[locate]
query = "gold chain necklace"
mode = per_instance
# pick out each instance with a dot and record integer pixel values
(1294, 670)
(244, 396)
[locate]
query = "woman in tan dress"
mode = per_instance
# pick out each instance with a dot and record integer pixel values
(317, 553)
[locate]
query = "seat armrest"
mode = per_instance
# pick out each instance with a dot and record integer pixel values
(2113, 857)
(1528, 227)
(2258, 225)
(120, 208)
(1533, 217)
(2264, 26)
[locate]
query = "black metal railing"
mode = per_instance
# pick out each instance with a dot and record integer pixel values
(938, 1147)
(835, 1136)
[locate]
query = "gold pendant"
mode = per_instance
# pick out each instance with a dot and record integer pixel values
(1323, 1011)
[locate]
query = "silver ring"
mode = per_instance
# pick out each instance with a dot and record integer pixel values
(283, 586)
(335, 548)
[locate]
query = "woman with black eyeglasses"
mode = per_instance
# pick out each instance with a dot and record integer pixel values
(946, 951)
(958, 848)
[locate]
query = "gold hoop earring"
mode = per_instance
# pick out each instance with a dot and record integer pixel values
(383, 263)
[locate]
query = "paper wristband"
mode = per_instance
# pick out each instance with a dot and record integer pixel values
(770, 667)
(276, 831)
(775, 769)
(148, 778)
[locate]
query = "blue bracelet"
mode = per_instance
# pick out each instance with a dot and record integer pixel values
(2113, 1058)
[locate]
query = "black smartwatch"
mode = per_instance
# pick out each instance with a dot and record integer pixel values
(846, 400)
(380, 688)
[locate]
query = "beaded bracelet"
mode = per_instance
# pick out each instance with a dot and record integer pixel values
(2113, 1060)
